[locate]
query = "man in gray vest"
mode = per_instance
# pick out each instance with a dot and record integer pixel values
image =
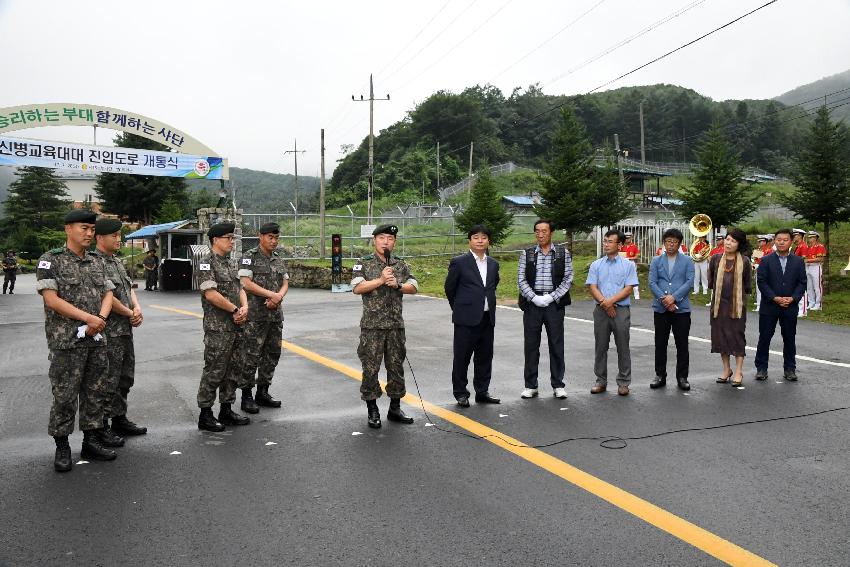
(544, 279)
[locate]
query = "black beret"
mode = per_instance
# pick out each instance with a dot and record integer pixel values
(221, 229)
(80, 215)
(270, 227)
(107, 226)
(385, 229)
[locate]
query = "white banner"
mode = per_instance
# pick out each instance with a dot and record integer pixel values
(103, 159)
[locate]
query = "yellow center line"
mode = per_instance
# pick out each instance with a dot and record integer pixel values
(676, 526)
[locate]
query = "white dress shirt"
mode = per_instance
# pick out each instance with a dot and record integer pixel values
(482, 269)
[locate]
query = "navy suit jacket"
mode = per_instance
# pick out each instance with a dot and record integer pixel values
(466, 291)
(773, 283)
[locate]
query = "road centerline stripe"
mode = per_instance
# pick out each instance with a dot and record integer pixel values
(674, 525)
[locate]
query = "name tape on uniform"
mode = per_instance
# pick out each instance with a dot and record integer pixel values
(246, 261)
(44, 265)
(357, 267)
(204, 267)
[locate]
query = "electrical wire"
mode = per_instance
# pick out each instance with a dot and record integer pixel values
(606, 441)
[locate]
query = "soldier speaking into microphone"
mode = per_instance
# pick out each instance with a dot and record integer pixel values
(381, 279)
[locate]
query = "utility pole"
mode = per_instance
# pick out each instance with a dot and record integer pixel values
(371, 100)
(470, 158)
(438, 166)
(294, 151)
(642, 147)
(322, 201)
(619, 161)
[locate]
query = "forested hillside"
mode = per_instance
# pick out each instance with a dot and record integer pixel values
(519, 127)
(261, 191)
(838, 84)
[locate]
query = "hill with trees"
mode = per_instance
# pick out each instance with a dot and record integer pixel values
(520, 128)
(823, 87)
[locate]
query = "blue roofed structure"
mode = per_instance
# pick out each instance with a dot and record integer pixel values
(152, 230)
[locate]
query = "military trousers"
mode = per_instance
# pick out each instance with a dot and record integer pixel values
(9, 281)
(261, 351)
(122, 372)
(78, 377)
(387, 345)
(222, 368)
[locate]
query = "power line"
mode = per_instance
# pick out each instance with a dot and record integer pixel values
(409, 43)
(454, 47)
(626, 41)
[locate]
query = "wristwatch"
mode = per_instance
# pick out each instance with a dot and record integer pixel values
(235, 309)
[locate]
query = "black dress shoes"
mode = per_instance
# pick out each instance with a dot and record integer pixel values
(659, 382)
(463, 402)
(374, 414)
(397, 414)
(683, 384)
(486, 398)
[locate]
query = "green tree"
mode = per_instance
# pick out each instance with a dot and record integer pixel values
(576, 195)
(169, 211)
(485, 207)
(822, 174)
(716, 189)
(37, 199)
(138, 197)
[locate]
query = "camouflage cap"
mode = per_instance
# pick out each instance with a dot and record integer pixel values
(80, 215)
(385, 229)
(107, 226)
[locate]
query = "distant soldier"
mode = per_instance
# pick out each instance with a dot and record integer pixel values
(815, 254)
(381, 280)
(77, 299)
(10, 270)
(225, 311)
(631, 252)
(126, 314)
(151, 266)
(264, 277)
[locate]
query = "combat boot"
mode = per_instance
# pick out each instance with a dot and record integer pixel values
(227, 416)
(62, 461)
(107, 437)
(208, 422)
(265, 399)
(93, 449)
(125, 427)
(374, 414)
(248, 403)
(395, 412)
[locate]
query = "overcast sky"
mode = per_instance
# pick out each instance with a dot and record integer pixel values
(248, 78)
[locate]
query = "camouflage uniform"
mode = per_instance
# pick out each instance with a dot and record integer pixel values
(382, 327)
(222, 337)
(120, 350)
(264, 329)
(78, 366)
(10, 273)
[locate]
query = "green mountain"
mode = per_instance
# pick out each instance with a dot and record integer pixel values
(820, 88)
(518, 127)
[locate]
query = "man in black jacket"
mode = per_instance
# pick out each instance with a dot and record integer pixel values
(471, 289)
(781, 278)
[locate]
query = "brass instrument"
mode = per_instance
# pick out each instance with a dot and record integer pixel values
(699, 226)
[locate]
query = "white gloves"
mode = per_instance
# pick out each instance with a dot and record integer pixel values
(81, 332)
(542, 300)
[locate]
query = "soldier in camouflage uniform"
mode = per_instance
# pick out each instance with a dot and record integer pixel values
(382, 280)
(126, 314)
(77, 299)
(10, 271)
(225, 311)
(263, 275)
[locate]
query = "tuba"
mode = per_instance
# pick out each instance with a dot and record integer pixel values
(700, 225)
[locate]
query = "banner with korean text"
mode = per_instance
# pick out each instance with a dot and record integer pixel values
(104, 159)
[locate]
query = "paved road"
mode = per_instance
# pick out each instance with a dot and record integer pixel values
(321, 495)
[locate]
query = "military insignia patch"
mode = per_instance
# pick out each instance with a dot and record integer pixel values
(357, 267)
(44, 265)
(246, 261)
(204, 267)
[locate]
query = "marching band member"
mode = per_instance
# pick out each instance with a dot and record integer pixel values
(631, 252)
(799, 248)
(815, 253)
(701, 250)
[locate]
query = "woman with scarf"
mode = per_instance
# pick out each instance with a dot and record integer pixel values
(730, 276)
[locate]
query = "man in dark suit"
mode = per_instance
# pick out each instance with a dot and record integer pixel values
(471, 289)
(781, 278)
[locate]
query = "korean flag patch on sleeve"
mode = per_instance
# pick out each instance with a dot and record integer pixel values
(44, 265)
(204, 267)
(246, 261)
